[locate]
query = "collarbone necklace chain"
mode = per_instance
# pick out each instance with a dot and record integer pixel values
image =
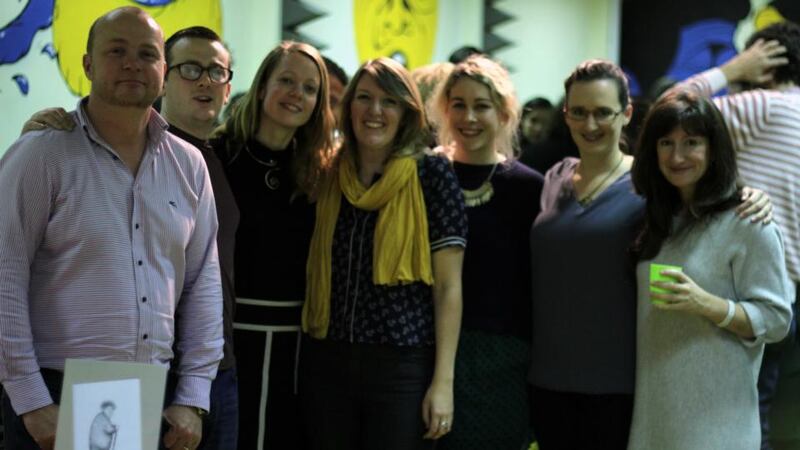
(586, 199)
(483, 193)
(271, 179)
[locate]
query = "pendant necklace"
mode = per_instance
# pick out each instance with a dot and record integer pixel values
(482, 194)
(590, 196)
(271, 179)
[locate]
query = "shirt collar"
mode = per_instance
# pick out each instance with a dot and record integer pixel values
(156, 126)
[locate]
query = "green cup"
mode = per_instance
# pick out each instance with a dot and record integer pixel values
(655, 275)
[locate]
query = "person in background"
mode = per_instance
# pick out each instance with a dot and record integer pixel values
(477, 114)
(427, 78)
(462, 53)
(537, 116)
(383, 305)
(85, 243)
(196, 87)
(274, 149)
(556, 145)
(699, 343)
(338, 83)
(764, 124)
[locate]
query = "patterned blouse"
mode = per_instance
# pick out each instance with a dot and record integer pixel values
(401, 315)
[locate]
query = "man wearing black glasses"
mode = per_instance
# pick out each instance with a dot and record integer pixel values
(196, 88)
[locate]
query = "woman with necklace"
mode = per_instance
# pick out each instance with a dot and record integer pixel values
(383, 306)
(477, 114)
(584, 293)
(584, 288)
(275, 146)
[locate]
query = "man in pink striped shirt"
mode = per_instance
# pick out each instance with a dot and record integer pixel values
(764, 122)
(107, 241)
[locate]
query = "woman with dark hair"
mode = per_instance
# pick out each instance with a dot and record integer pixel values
(700, 340)
(383, 305)
(275, 147)
(583, 283)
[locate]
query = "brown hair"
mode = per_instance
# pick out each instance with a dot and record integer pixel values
(395, 80)
(314, 146)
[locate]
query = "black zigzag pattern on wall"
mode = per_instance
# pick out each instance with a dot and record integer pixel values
(492, 17)
(296, 13)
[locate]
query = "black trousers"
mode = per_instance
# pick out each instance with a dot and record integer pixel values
(364, 397)
(573, 421)
(16, 436)
(770, 373)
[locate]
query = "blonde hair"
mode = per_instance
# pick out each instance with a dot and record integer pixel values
(495, 77)
(314, 145)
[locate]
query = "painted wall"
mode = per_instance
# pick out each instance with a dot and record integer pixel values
(551, 35)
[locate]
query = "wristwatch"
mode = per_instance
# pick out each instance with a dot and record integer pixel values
(200, 411)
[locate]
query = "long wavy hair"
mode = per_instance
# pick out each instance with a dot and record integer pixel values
(312, 140)
(717, 190)
(395, 80)
(495, 77)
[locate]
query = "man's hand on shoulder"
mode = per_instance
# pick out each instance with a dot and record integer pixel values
(41, 425)
(186, 428)
(57, 118)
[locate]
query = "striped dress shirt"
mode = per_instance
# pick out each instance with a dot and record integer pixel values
(765, 128)
(97, 263)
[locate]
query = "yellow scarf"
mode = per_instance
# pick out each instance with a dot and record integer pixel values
(401, 251)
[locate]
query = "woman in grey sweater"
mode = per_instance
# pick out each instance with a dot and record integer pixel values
(699, 344)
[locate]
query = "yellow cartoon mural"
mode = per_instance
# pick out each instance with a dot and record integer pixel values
(71, 28)
(402, 29)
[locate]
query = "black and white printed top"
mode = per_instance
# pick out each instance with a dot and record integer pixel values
(401, 315)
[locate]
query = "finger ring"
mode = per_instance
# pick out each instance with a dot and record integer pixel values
(443, 424)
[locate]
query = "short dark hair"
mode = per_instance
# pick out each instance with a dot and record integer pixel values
(196, 32)
(716, 191)
(788, 34)
(335, 71)
(598, 69)
(462, 53)
(537, 103)
(108, 403)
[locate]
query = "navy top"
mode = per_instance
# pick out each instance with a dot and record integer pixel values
(401, 315)
(274, 232)
(584, 286)
(497, 274)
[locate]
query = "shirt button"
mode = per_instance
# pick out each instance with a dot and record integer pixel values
(144, 337)
(140, 262)
(144, 299)
(136, 226)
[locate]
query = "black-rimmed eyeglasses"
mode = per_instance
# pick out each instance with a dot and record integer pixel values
(603, 116)
(192, 72)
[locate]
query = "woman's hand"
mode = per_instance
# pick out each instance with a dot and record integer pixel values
(56, 118)
(756, 205)
(437, 409)
(685, 295)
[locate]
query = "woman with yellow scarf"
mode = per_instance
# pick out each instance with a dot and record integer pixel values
(383, 301)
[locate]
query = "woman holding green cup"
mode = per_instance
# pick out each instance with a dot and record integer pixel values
(700, 339)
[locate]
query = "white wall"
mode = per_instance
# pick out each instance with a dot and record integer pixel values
(552, 36)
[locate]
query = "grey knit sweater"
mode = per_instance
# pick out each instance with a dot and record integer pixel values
(695, 382)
